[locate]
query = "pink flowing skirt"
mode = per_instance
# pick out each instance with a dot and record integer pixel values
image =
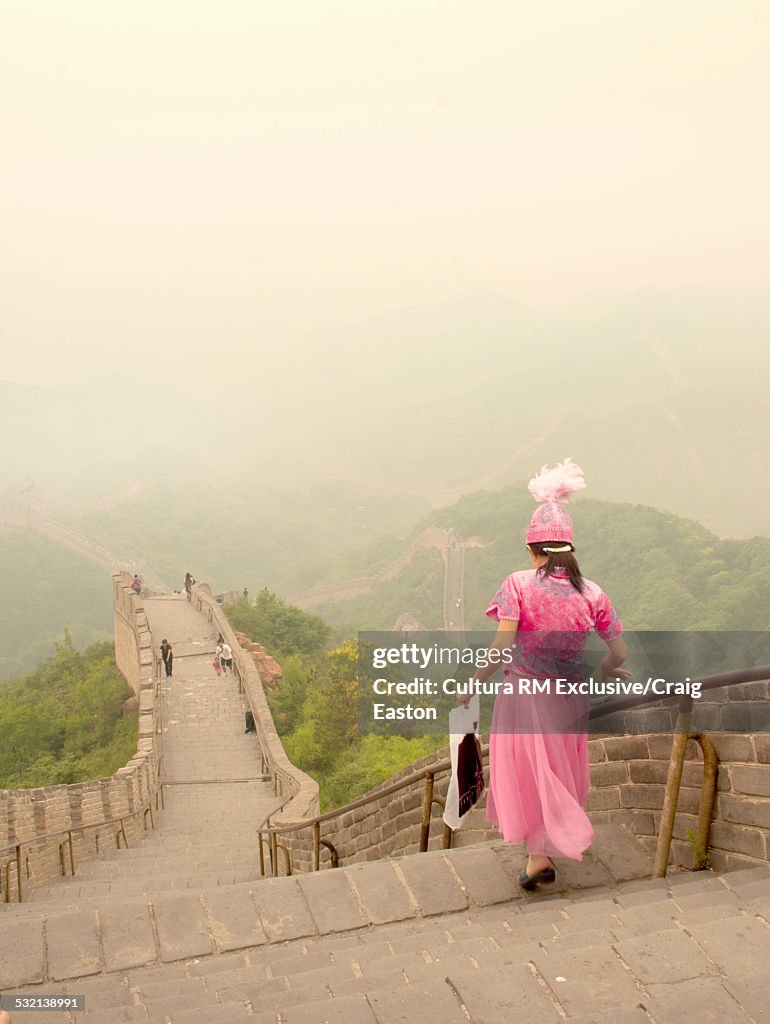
(539, 779)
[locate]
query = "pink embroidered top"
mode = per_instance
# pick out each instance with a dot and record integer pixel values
(561, 616)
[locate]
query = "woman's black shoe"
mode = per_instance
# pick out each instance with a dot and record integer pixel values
(531, 882)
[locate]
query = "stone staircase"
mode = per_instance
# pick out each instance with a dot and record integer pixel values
(180, 928)
(443, 937)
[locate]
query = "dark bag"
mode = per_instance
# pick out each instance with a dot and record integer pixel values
(250, 726)
(470, 772)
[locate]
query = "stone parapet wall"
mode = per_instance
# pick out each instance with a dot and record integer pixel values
(741, 707)
(41, 820)
(628, 777)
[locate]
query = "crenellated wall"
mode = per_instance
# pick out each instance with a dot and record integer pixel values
(37, 825)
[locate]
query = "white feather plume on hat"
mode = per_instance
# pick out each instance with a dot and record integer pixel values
(557, 483)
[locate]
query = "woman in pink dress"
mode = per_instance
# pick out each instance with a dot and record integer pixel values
(538, 748)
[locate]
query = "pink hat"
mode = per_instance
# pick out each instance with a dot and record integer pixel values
(551, 521)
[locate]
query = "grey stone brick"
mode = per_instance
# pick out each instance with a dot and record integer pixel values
(21, 953)
(352, 1009)
(738, 880)
(182, 929)
(715, 912)
(586, 874)
(582, 938)
(216, 965)
(737, 946)
(229, 1013)
(519, 999)
(620, 853)
(703, 999)
(617, 1015)
(285, 962)
(587, 980)
(751, 993)
(332, 902)
(127, 936)
(73, 945)
(687, 900)
(482, 876)
(382, 892)
(433, 885)
(667, 956)
(233, 920)
(283, 910)
(430, 1002)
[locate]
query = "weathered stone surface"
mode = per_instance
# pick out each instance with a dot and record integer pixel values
(664, 957)
(751, 993)
(382, 892)
(332, 901)
(585, 874)
(182, 929)
(587, 980)
(482, 876)
(754, 780)
(431, 1002)
(21, 952)
(283, 909)
(352, 1009)
(703, 999)
(234, 920)
(519, 998)
(432, 884)
(620, 853)
(736, 946)
(73, 945)
(127, 936)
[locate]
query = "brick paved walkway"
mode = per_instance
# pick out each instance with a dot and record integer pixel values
(215, 795)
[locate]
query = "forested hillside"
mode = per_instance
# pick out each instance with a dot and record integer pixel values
(63, 723)
(315, 706)
(45, 590)
(661, 571)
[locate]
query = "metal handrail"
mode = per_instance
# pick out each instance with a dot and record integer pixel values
(742, 675)
(428, 775)
(78, 829)
(681, 735)
(156, 795)
(362, 801)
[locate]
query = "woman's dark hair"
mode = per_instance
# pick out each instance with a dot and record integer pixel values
(559, 560)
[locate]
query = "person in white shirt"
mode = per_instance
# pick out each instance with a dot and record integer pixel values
(226, 657)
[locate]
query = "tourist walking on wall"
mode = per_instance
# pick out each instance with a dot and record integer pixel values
(188, 585)
(538, 746)
(167, 654)
(226, 657)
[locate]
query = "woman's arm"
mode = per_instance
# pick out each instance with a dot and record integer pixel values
(506, 632)
(617, 653)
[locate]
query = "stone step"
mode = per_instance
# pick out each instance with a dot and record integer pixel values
(466, 899)
(531, 958)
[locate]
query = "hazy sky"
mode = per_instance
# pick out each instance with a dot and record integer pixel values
(201, 180)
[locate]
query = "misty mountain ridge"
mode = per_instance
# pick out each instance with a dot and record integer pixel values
(661, 396)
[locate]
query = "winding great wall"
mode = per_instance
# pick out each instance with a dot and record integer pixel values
(145, 892)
